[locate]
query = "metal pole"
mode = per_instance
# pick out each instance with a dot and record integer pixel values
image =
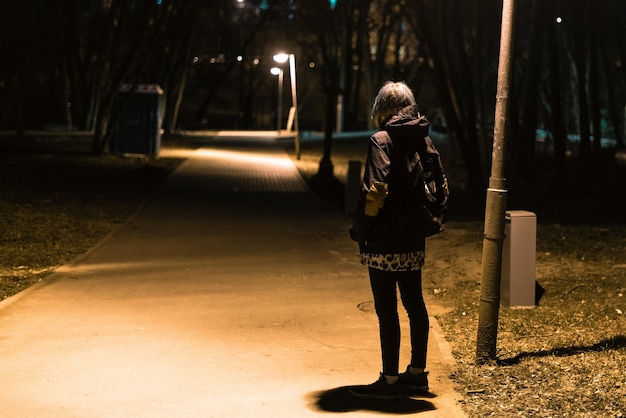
(294, 101)
(496, 200)
(279, 111)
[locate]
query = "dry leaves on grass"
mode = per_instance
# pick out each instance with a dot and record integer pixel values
(57, 201)
(564, 357)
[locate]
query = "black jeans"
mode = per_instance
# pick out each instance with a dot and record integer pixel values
(386, 305)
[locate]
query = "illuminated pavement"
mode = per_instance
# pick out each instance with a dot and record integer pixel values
(234, 292)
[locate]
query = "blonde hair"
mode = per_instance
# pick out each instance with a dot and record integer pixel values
(391, 97)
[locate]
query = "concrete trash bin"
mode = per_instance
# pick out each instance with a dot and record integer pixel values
(138, 131)
(518, 275)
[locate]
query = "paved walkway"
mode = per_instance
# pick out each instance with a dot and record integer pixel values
(234, 292)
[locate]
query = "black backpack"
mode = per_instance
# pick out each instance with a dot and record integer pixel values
(432, 192)
(423, 208)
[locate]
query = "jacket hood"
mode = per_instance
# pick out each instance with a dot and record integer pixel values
(407, 123)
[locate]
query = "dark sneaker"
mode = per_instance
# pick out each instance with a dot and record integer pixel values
(380, 389)
(415, 383)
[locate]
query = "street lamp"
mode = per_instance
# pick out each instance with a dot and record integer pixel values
(281, 58)
(279, 111)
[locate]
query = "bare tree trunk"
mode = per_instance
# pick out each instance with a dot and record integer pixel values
(178, 100)
(324, 181)
(326, 165)
(530, 95)
(580, 61)
(345, 69)
(362, 33)
(594, 94)
(466, 93)
(559, 132)
(616, 119)
(612, 101)
(177, 62)
(480, 80)
(450, 99)
(370, 78)
(101, 129)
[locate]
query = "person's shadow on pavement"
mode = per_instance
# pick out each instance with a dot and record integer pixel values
(342, 400)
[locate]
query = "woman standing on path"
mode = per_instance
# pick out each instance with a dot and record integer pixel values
(389, 244)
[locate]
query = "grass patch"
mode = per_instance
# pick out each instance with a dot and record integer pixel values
(562, 358)
(57, 200)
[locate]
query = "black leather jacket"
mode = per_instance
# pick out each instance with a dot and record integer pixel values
(390, 150)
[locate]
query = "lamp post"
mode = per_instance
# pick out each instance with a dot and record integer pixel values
(281, 58)
(496, 200)
(279, 111)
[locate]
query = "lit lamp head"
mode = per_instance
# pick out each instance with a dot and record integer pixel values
(275, 70)
(281, 58)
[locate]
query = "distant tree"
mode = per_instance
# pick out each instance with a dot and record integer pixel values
(555, 103)
(177, 59)
(134, 43)
(63, 62)
(391, 50)
(449, 37)
(610, 21)
(23, 70)
(320, 39)
(580, 57)
(228, 31)
(591, 37)
(73, 56)
(357, 45)
(530, 54)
